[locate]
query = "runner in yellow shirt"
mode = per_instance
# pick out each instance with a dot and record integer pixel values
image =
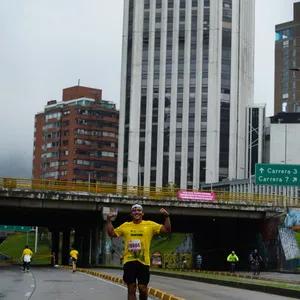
(26, 258)
(73, 259)
(137, 240)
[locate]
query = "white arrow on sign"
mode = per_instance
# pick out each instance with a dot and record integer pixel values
(294, 179)
(261, 170)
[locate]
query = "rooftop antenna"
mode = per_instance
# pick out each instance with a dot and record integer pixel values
(78, 82)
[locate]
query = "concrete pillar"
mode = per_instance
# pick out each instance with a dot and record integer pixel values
(77, 245)
(106, 249)
(86, 247)
(55, 245)
(96, 236)
(66, 247)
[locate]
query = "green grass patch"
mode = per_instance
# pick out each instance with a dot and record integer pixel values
(14, 244)
(167, 244)
(235, 279)
(297, 235)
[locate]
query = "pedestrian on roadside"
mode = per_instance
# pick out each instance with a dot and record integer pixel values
(137, 239)
(198, 261)
(184, 263)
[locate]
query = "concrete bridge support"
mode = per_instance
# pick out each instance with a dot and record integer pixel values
(66, 247)
(82, 243)
(106, 246)
(86, 247)
(96, 244)
(55, 245)
(77, 245)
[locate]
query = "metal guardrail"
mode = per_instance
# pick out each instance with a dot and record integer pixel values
(145, 192)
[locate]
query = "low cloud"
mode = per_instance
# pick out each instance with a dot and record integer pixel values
(16, 166)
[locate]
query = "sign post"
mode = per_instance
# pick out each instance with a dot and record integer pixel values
(277, 174)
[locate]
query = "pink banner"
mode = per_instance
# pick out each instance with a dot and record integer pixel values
(189, 195)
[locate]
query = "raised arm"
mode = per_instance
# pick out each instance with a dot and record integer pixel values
(167, 225)
(109, 226)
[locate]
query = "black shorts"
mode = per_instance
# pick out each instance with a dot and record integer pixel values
(73, 259)
(136, 271)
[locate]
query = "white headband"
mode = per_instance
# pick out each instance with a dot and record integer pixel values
(137, 206)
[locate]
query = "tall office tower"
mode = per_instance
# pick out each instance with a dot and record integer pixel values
(76, 139)
(187, 77)
(287, 65)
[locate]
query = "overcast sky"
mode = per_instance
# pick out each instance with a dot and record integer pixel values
(47, 45)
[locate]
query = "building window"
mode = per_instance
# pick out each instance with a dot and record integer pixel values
(64, 162)
(285, 96)
(158, 18)
(82, 162)
(284, 107)
(56, 115)
(108, 154)
(284, 34)
(147, 4)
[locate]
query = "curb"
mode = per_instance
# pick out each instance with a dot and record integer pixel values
(154, 292)
(237, 275)
(220, 273)
(241, 285)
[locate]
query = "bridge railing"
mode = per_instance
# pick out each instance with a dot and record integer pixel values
(144, 192)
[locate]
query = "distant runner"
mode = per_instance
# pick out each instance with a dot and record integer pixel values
(73, 259)
(26, 258)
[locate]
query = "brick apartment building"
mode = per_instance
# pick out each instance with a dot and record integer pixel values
(76, 139)
(287, 65)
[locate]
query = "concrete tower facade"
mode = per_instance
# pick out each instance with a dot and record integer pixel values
(187, 77)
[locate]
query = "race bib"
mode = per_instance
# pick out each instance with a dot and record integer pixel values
(134, 246)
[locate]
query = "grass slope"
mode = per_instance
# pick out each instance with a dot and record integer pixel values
(167, 244)
(14, 244)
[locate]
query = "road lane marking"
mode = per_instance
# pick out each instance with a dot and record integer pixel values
(115, 284)
(28, 294)
(32, 286)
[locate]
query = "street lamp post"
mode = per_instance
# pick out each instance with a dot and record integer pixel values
(284, 189)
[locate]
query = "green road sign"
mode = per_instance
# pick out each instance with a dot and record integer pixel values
(276, 174)
(15, 228)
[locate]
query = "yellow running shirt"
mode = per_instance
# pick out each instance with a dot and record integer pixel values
(27, 251)
(137, 240)
(74, 254)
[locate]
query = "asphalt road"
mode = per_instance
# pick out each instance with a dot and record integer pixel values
(62, 284)
(191, 290)
(56, 284)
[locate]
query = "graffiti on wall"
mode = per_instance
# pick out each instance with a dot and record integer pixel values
(289, 243)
